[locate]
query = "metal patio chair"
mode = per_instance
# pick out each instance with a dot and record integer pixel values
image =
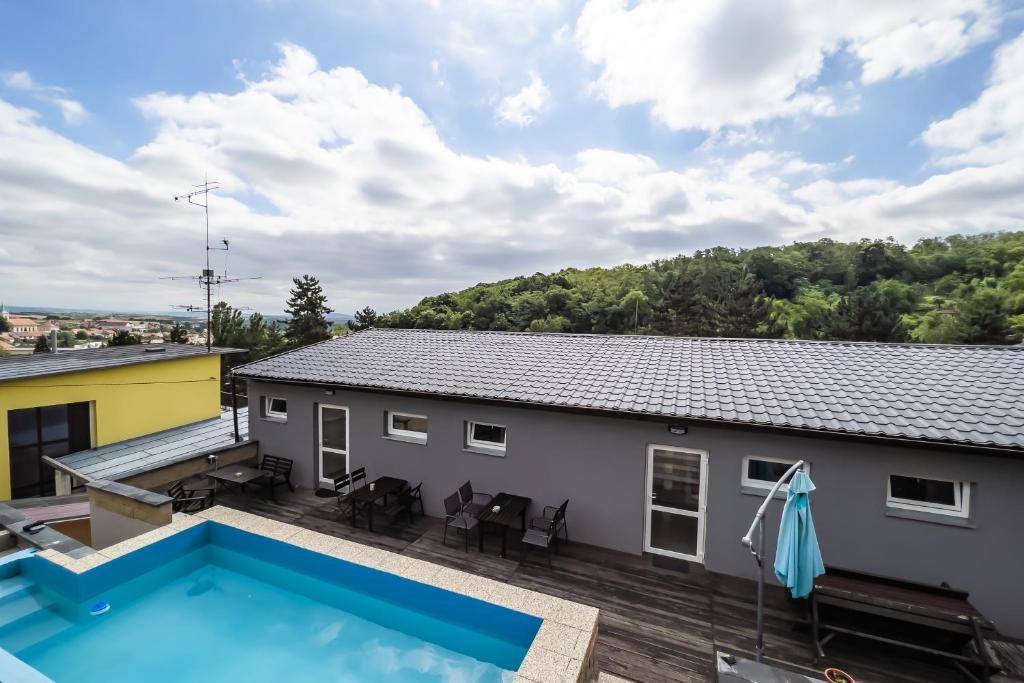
(473, 502)
(192, 499)
(543, 538)
(548, 519)
(457, 518)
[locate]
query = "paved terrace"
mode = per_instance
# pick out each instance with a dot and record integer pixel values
(656, 624)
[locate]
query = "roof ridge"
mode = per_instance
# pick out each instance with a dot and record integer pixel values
(751, 340)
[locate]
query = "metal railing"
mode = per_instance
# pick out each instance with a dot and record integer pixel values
(758, 551)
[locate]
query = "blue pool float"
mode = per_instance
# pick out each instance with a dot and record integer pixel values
(101, 607)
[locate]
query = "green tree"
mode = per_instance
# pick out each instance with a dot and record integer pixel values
(935, 327)
(178, 334)
(874, 312)
(5, 325)
(811, 315)
(124, 338)
(552, 323)
(307, 306)
(42, 344)
(364, 320)
(957, 288)
(81, 335)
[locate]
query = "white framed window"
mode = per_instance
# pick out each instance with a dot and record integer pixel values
(761, 472)
(407, 425)
(927, 494)
(275, 408)
(486, 436)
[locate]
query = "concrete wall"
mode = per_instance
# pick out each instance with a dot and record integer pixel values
(119, 512)
(599, 463)
(164, 476)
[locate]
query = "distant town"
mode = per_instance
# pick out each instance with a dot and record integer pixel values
(20, 331)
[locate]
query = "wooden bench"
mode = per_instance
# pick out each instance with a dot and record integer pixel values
(936, 620)
(276, 471)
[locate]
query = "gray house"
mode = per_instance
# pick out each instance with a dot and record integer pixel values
(668, 445)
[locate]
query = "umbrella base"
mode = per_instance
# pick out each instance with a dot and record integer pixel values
(731, 669)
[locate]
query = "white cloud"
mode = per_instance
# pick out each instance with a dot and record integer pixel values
(721, 63)
(327, 173)
(72, 110)
(522, 108)
(991, 129)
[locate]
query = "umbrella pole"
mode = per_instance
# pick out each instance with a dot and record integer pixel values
(758, 553)
(760, 590)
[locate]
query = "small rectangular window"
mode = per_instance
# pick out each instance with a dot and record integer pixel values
(761, 473)
(940, 496)
(488, 436)
(407, 425)
(276, 408)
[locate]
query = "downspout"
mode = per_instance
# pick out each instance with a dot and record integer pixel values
(234, 405)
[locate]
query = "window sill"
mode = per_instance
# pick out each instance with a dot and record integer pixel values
(405, 439)
(933, 517)
(494, 452)
(276, 420)
(746, 489)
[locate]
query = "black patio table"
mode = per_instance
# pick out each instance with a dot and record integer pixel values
(512, 508)
(368, 495)
(234, 476)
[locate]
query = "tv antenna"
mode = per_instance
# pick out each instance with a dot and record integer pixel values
(209, 279)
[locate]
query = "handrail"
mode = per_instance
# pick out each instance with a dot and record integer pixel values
(747, 540)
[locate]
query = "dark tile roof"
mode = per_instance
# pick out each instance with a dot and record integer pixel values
(79, 360)
(959, 394)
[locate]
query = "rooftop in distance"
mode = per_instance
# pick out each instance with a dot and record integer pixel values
(967, 395)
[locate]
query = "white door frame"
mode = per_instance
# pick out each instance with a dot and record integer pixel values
(700, 513)
(320, 442)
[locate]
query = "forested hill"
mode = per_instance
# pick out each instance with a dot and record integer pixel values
(953, 290)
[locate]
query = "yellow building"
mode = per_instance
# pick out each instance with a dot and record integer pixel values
(52, 404)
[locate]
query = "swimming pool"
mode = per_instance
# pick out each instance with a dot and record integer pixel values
(215, 602)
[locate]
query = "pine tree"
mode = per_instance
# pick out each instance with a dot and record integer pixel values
(42, 344)
(364, 320)
(308, 309)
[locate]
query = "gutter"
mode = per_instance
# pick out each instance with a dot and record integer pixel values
(998, 451)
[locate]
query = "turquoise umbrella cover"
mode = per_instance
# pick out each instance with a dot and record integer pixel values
(797, 556)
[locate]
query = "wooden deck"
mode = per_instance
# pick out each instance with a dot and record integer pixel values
(656, 624)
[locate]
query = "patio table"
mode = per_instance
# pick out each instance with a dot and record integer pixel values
(512, 509)
(234, 476)
(382, 487)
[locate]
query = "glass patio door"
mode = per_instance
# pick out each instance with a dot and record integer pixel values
(676, 501)
(333, 460)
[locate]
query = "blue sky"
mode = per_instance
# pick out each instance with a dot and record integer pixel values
(399, 149)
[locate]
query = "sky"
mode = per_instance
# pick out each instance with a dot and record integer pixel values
(401, 149)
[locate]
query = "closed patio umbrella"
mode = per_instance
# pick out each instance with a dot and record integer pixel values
(797, 556)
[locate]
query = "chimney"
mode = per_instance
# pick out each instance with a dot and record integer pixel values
(53, 341)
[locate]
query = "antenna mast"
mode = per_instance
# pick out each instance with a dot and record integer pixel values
(208, 280)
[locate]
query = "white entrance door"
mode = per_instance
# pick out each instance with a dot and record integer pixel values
(676, 502)
(333, 459)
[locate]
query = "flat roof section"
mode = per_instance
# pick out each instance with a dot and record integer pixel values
(154, 451)
(81, 360)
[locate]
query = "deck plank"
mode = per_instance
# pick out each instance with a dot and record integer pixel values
(656, 624)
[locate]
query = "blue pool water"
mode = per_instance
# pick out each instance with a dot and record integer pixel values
(233, 607)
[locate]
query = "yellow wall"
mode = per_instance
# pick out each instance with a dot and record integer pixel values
(127, 402)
